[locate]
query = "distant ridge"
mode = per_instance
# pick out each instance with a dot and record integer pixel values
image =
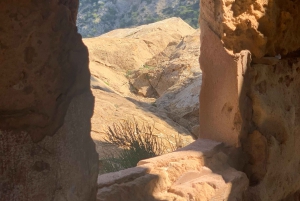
(96, 17)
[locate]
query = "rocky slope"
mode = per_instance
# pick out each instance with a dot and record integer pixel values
(96, 17)
(155, 50)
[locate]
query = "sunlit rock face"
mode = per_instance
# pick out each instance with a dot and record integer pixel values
(249, 97)
(264, 27)
(44, 87)
(199, 171)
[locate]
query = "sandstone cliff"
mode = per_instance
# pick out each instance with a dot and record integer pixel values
(248, 105)
(46, 152)
(255, 76)
(249, 101)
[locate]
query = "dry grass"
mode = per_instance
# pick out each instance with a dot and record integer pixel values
(137, 142)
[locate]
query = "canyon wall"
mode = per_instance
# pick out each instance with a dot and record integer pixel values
(249, 101)
(249, 98)
(46, 152)
(249, 106)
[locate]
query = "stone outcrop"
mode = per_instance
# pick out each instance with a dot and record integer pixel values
(263, 27)
(249, 101)
(110, 59)
(197, 172)
(177, 63)
(248, 105)
(249, 96)
(144, 42)
(46, 152)
(40, 72)
(174, 78)
(271, 142)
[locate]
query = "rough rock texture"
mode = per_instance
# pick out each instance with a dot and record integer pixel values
(265, 27)
(176, 64)
(44, 69)
(63, 167)
(197, 172)
(144, 42)
(41, 58)
(174, 78)
(112, 64)
(249, 98)
(273, 140)
(182, 102)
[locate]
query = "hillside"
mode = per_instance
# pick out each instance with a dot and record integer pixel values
(96, 17)
(127, 84)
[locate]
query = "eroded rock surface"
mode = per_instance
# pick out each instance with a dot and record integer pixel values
(41, 59)
(46, 152)
(249, 95)
(197, 172)
(175, 65)
(273, 141)
(263, 27)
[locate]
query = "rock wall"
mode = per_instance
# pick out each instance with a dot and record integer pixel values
(249, 98)
(44, 87)
(268, 27)
(197, 172)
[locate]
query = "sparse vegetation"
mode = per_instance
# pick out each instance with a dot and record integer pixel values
(128, 73)
(100, 16)
(148, 67)
(136, 142)
(188, 13)
(106, 82)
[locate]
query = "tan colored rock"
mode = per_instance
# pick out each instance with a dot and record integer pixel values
(174, 78)
(264, 27)
(272, 151)
(113, 67)
(182, 102)
(176, 64)
(143, 86)
(35, 89)
(61, 167)
(196, 172)
(196, 130)
(253, 105)
(112, 108)
(220, 115)
(130, 49)
(46, 152)
(113, 63)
